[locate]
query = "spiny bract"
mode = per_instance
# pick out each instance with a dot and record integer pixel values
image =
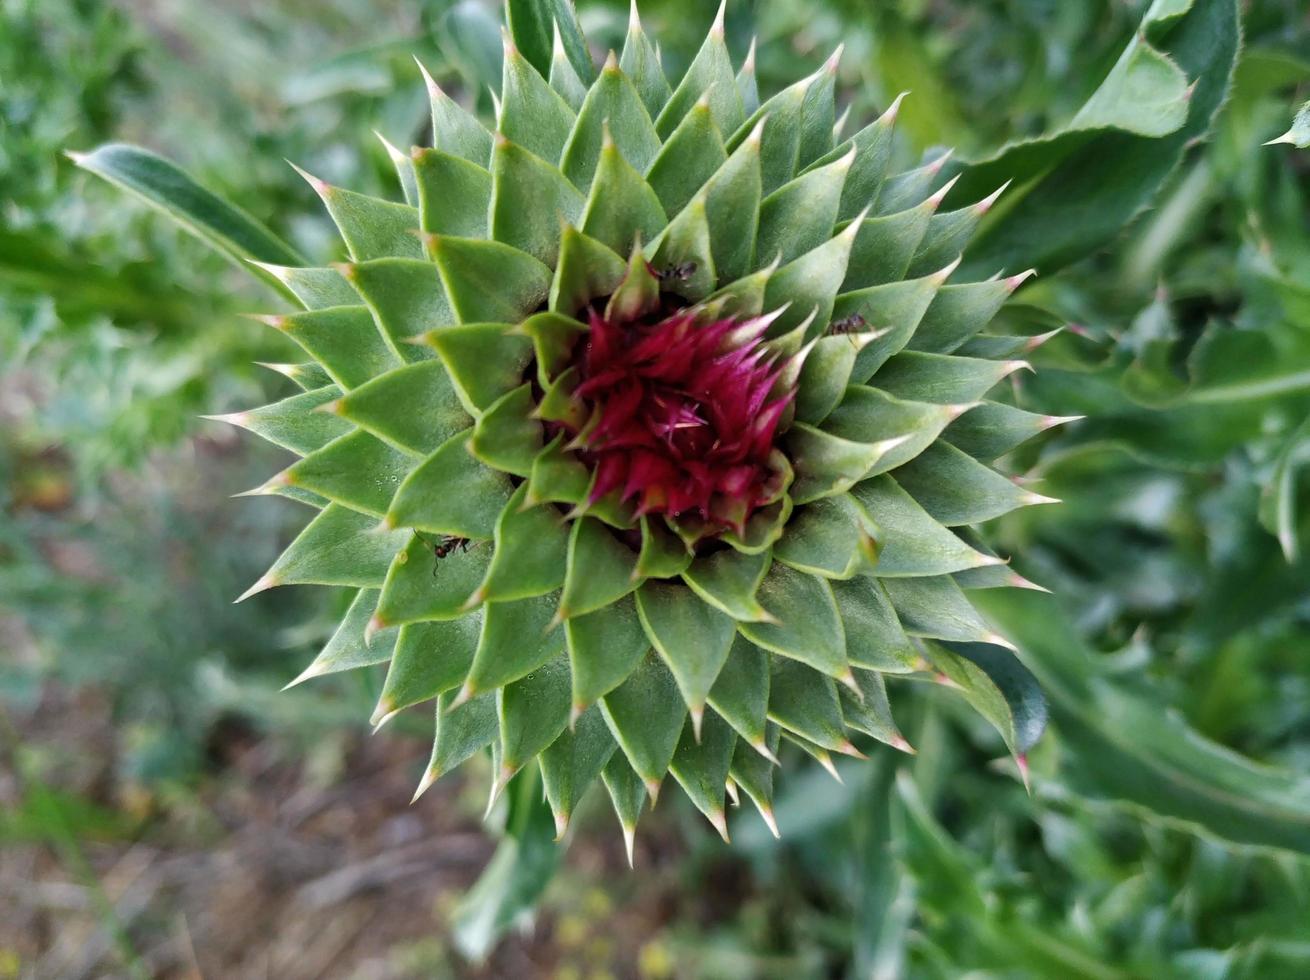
(644, 429)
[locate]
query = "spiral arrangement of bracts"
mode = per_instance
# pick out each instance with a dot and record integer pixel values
(531, 556)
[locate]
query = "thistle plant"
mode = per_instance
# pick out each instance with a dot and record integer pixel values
(650, 429)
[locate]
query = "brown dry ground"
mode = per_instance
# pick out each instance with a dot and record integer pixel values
(269, 870)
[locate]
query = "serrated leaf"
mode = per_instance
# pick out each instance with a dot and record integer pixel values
(700, 764)
(806, 625)
(413, 407)
(485, 361)
(406, 297)
(613, 111)
(728, 581)
(571, 763)
(804, 702)
(801, 214)
(506, 436)
(936, 608)
(347, 649)
(587, 270)
(534, 711)
(450, 492)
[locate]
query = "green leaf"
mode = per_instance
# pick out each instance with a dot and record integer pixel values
(420, 587)
(454, 129)
(753, 771)
(999, 687)
(805, 702)
(740, 693)
(429, 659)
(781, 139)
(338, 547)
(641, 63)
(689, 158)
(451, 493)
(710, 75)
(485, 361)
(806, 625)
(344, 339)
(1081, 185)
(1129, 749)
(873, 146)
(993, 429)
(347, 649)
(587, 270)
(1299, 134)
(646, 714)
(454, 194)
(728, 581)
(165, 187)
(942, 379)
(406, 297)
(604, 647)
(316, 289)
(957, 312)
(530, 548)
(875, 638)
(571, 763)
(870, 712)
(937, 608)
(371, 227)
(413, 407)
(462, 731)
(507, 437)
(613, 112)
(358, 470)
(534, 23)
(563, 77)
(489, 282)
(600, 569)
(827, 464)
(530, 200)
(534, 711)
(810, 284)
(954, 488)
(622, 209)
(691, 636)
(627, 794)
(532, 114)
(832, 537)
(1278, 502)
(700, 765)
(684, 253)
(517, 638)
(870, 416)
(800, 215)
(913, 544)
(293, 422)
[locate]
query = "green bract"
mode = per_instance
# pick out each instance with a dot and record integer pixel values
(570, 633)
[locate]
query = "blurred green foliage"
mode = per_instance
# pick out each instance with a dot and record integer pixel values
(1178, 558)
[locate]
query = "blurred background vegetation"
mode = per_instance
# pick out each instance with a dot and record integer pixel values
(163, 811)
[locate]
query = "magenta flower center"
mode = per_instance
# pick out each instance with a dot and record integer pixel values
(682, 416)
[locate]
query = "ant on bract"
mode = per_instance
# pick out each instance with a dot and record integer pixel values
(848, 325)
(444, 547)
(680, 273)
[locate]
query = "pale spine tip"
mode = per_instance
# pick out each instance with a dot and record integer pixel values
(894, 109)
(846, 747)
(733, 793)
(716, 29)
(264, 583)
(321, 187)
(375, 623)
(985, 205)
(936, 166)
(430, 776)
(834, 59)
(770, 821)
(945, 273)
(996, 639)
(634, 18)
(720, 823)
(309, 673)
(829, 766)
(748, 66)
(935, 201)
(465, 695)
(630, 843)
(764, 750)
(1014, 282)
(898, 742)
(652, 790)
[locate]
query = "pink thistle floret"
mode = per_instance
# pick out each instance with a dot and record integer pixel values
(682, 415)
